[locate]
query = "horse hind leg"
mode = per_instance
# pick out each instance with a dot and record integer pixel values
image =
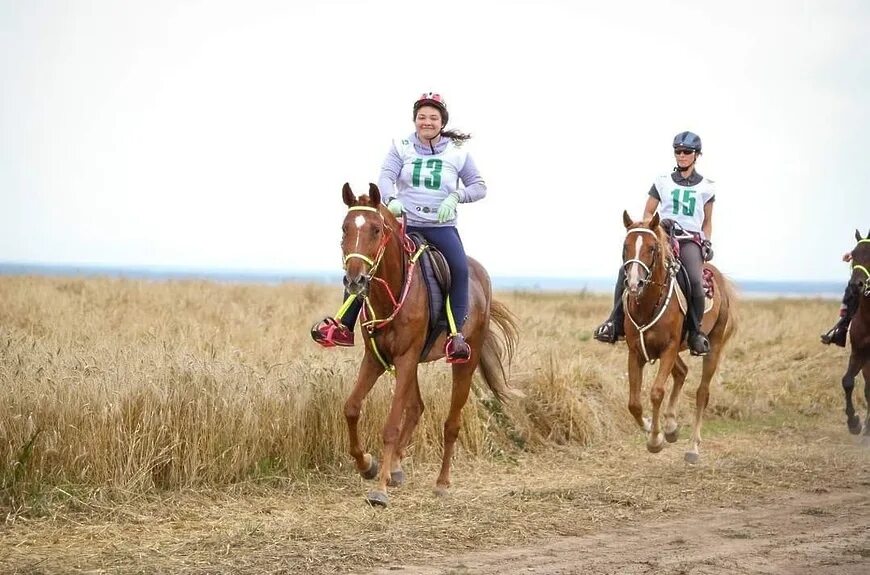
(702, 397)
(671, 427)
(461, 387)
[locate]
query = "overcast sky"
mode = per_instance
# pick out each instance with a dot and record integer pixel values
(219, 134)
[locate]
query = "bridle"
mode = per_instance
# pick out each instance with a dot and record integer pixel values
(373, 263)
(647, 269)
(370, 320)
(866, 291)
(667, 294)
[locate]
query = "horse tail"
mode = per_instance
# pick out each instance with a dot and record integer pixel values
(498, 350)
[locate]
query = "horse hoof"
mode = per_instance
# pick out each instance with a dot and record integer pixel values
(672, 436)
(440, 491)
(377, 498)
(692, 457)
(397, 478)
(655, 447)
(854, 426)
(372, 471)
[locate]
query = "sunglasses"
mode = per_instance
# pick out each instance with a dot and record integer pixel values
(683, 152)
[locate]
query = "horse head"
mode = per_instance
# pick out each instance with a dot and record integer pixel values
(642, 252)
(366, 230)
(860, 280)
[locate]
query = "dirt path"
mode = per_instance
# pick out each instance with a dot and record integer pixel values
(774, 498)
(805, 533)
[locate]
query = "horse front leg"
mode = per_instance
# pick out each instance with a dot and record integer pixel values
(655, 441)
(459, 395)
(679, 374)
(413, 411)
(635, 382)
(852, 420)
(406, 377)
(369, 371)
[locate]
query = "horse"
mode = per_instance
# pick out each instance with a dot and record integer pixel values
(859, 333)
(380, 267)
(654, 331)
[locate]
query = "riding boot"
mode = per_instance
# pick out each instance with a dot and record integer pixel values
(613, 329)
(698, 342)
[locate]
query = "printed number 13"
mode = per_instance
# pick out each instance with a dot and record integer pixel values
(433, 181)
(687, 203)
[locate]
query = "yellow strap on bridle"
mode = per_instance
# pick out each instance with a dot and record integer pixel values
(363, 257)
(363, 208)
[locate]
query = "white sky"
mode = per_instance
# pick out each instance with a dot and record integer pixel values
(219, 134)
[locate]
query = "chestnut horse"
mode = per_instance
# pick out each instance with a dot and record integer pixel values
(379, 264)
(654, 331)
(859, 333)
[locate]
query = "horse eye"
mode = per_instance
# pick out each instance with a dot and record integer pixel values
(377, 231)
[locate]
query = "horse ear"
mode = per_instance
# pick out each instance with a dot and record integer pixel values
(654, 222)
(626, 219)
(347, 195)
(858, 235)
(374, 194)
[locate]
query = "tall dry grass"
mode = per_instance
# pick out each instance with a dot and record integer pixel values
(130, 386)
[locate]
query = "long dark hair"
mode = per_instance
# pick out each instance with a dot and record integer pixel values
(458, 137)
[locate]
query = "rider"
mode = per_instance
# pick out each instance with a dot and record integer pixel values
(686, 197)
(420, 177)
(837, 334)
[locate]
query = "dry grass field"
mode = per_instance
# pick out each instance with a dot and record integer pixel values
(193, 427)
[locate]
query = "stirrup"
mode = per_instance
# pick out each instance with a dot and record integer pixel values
(457, 349)
(699, 340)
(329, 332)
(835, 335)
(606, 332)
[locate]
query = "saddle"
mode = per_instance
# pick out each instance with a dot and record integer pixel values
(436, 278)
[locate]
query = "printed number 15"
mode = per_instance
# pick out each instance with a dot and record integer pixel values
(687, 203)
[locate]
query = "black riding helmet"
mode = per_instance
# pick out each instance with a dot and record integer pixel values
(434, 100)
(688, 140)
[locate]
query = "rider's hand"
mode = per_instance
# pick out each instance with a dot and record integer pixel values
(396, 208)
(707, 250)
(447, 209)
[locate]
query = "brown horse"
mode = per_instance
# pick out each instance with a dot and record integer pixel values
(654, 327)
(859, 333)
(380, 268)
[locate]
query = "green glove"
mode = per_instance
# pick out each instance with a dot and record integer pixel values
(396, 207)
(447, 209)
